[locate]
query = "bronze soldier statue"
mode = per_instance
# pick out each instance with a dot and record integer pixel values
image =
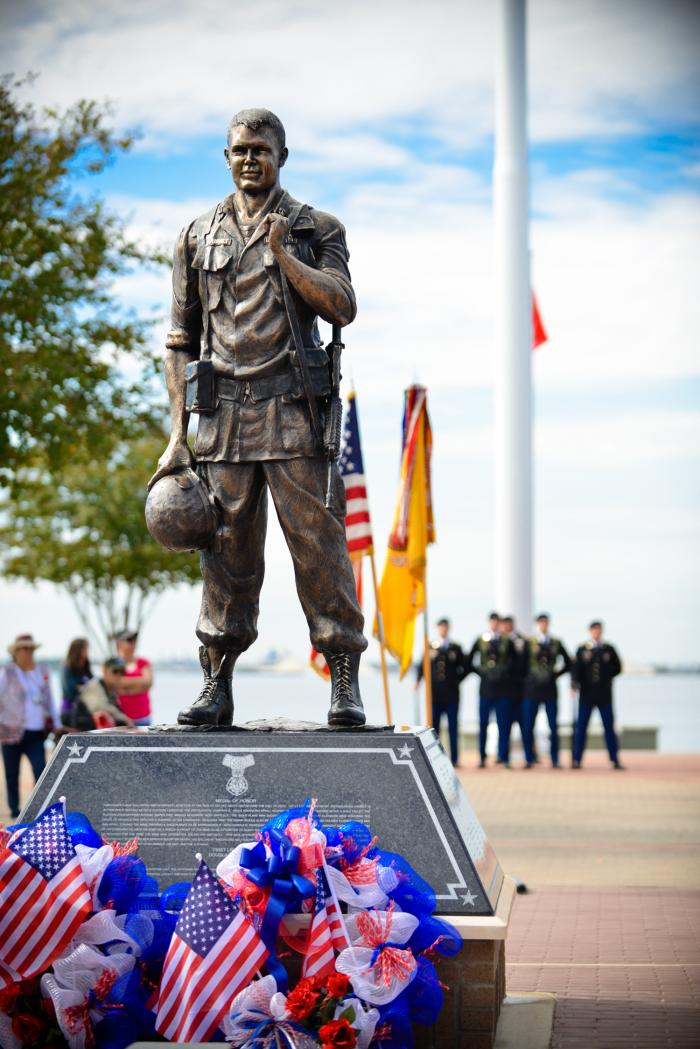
(250, 279)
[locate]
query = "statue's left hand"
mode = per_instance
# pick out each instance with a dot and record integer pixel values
(277, 230)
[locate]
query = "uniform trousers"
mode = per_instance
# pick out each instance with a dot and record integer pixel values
(451, 712)
(584, 716)
(503, 709)
(530, 708)
(234, 565)
(31, 744)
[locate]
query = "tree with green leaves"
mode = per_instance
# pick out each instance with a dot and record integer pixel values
(86, 533)
(65, 339)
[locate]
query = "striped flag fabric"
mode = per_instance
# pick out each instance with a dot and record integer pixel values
(358, 527)
(214, 953)
(326, 933)
(44, 898)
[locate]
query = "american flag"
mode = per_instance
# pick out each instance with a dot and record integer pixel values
(358, 528)
(214, 953)
(44, 898)
(326, 933)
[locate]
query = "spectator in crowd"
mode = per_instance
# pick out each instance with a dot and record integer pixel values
(97, 705)
(515, 679)
(26, 714)
(134, 696)
(595, 666)
(493, 657)
(546, 661)
(75, 673)
(448, 668)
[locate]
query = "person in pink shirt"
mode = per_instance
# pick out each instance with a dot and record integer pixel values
(137, 680)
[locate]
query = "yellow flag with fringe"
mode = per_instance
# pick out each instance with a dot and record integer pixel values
(402, 586)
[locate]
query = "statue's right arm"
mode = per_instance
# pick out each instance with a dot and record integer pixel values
(182, 346)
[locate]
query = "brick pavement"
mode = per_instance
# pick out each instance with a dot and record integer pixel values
(611, 921)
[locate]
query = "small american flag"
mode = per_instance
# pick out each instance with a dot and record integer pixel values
(326, 933)
(214, 953)
(358, 528)
(43, 896)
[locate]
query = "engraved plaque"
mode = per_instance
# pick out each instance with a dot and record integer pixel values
(183, 792)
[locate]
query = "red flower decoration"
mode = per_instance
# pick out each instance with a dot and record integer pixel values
(9, 996)
(302, 1001)
(29, 1029)
(338, 985)
(338, 1034)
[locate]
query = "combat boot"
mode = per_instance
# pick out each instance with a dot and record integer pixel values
(214, 704)
(346, 702)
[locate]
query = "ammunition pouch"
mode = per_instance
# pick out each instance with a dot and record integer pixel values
(200, 387)
(317, 361)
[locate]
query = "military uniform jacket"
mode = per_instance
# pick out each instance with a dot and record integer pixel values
(498, 660)
(448, 668)
(546, 661)
(228, 305)
(594, 668)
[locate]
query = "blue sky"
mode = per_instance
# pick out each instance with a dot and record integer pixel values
(389, 113)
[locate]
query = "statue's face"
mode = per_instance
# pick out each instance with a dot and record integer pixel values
(255, 158)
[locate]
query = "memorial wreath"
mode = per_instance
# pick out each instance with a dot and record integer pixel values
(93, 955)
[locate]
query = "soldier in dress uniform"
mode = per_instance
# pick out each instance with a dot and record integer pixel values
(515, 679)
(448, 668)
(546, 660)
(595, 666)
(495, 659)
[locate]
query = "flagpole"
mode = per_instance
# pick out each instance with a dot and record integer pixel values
(513, 322)
(380, 638)
(426, 664)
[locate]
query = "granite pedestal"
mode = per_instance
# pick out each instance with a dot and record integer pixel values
(182, 791)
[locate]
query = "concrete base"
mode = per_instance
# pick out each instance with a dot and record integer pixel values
(525, 1022)
(475, 980)
(638, 737)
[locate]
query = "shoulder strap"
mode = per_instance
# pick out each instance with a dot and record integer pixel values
(205, 352)
(301, 357)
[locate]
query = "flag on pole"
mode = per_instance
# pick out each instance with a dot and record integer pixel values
(44, 898)
(402, 587)
(326, 933)
(539, 335)
(214, 953)
(358, 527)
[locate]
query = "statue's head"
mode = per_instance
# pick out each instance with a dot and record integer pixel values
(256, 149)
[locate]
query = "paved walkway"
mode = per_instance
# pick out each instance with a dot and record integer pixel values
(611, 919)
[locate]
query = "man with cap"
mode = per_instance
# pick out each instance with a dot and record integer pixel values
(136, 681)
(546, 660)
(27, 714)
(99, 698)
(448, 668)
(494, 658)
(595, 666)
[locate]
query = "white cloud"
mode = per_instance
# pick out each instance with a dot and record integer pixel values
(179, 68)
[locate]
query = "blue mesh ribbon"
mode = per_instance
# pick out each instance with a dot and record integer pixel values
(287, 891)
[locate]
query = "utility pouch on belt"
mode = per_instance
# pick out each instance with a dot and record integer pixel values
(200, 387)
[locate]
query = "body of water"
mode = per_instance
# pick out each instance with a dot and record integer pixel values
(669, 701)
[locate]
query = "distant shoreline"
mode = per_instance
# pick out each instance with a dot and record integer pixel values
(290, 665)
